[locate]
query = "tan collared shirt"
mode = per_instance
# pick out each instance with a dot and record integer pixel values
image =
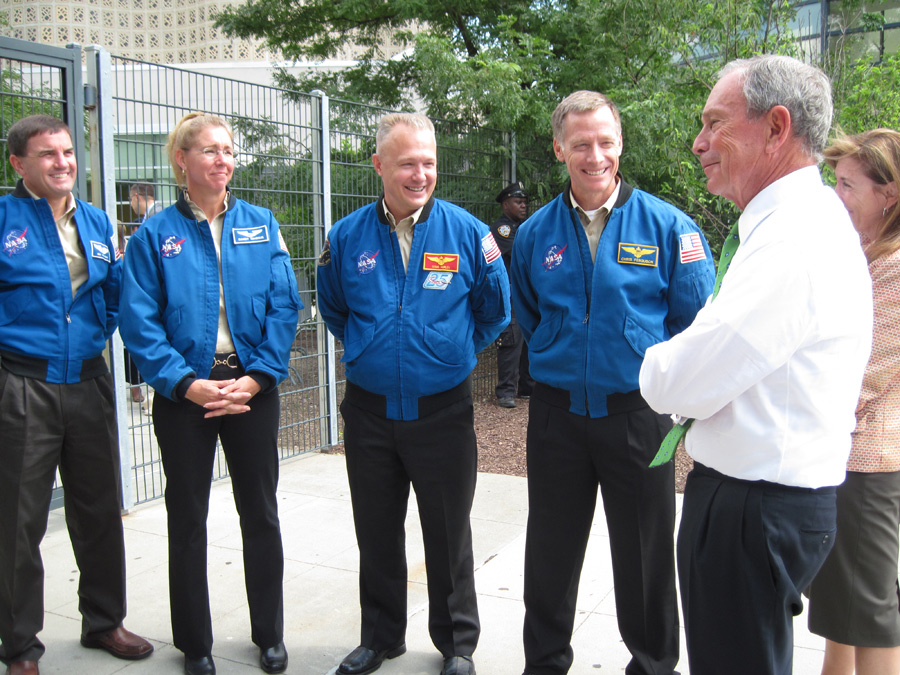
(71, 243)
(594, 221)
(404, 229)
(224, 343)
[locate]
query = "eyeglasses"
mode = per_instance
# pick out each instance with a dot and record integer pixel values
(212, 153)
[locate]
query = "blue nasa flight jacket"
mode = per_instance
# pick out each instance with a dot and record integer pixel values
(170, 299)
(39, 317)
(589, 323)
(415, 333)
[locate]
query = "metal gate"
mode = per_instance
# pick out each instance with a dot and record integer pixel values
(35, 79)
(302, 155)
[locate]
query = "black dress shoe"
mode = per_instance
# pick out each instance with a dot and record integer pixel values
(201, 666)
(363, 660)
(274, 659)
(458, 665)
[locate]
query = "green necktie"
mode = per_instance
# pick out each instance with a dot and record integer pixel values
(670, 442)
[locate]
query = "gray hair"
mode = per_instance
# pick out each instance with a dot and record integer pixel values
(581, 102)
(387, 123)
(770, 80)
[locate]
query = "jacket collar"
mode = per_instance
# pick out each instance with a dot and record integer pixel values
(185, 209)
(382, 216)
(625, 191)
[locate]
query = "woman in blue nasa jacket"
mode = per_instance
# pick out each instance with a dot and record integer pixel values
(209, 314)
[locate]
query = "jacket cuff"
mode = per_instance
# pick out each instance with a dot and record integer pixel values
(182, 387)
(265, 381)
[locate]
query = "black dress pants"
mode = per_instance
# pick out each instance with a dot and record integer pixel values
(187, 444)
(437, 454)
(71, 426)
(569, 456)
(746, 550)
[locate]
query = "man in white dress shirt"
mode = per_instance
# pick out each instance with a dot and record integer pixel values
(770, 371)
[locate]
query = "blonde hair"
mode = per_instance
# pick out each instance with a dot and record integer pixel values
(185, 133)
(581, 102)
(878, 152)
(387, 123)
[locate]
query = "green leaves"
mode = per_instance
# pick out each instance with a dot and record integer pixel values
(505, 64)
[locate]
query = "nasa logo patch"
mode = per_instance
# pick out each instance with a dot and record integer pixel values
(553, 257)
(171, 246)
(366, 262)
(15, 242)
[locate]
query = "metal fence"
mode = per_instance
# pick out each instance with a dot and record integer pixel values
(302, 155)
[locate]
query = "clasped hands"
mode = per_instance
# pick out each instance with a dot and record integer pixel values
(223, 397)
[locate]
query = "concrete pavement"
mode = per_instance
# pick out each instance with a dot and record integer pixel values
(321, 601)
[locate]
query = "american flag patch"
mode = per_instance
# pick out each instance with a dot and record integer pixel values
(489, 248)
(691, 248)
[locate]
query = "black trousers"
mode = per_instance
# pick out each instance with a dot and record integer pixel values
(569, 456)
(187, 445)
(437, 454)
(71, 426)
(746, 550)
(513, 376)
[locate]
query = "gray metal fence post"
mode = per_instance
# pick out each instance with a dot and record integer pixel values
(103, 195)
(322, 213)
(512, 159)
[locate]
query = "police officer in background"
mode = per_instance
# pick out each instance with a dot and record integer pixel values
(414, 288)
(59, 302)
(512, 354)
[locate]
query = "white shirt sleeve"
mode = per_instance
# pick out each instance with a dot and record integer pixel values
(757, 321)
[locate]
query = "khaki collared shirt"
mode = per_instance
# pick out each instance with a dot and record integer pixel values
(224, 343)
(71, 243)
(594, 222)
(404, 229)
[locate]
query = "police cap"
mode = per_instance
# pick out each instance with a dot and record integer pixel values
(512, 190)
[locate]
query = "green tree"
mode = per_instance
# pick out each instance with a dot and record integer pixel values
(505, 64)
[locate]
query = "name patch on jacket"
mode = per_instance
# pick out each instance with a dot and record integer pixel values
(366, 262)
(638, 254)
(171, 246)
(15, 242)
(489, 248)
(100, 251)
(250, 235)
(691, 247)
(438, 281)
(441, 262)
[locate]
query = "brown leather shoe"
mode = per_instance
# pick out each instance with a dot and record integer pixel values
(121, 643)
(23, 668)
